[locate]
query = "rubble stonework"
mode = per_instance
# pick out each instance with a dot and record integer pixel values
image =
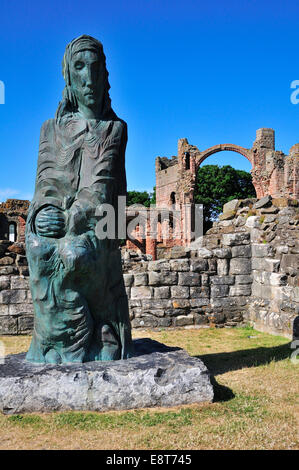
(245, 269)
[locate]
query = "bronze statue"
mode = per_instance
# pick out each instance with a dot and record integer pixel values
(80, 303)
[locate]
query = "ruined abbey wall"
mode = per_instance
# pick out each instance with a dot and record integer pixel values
(245, 269)
(273, 173)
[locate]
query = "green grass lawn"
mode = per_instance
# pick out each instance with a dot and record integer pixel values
(256, 402)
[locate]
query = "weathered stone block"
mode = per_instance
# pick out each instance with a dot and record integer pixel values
(231, 205)
(228, 303)
(6, 260)
(239, 221)
(227, 215)
(240, 289)
(145, 322)
(140, 279)
(189, 279)
(243, 279)
(241, 251)
(18, 282)
(269, 219)
(199, 302)
(266, 264)
(212, 265)
(155, 376)
(159, 265)
(239, 238)
(260, 250)
(13, 296)
(263, 202)
(260, 290)
(219, 280)
(282, 249)
(222, 252)
(164, 322)
(288, 262)
(8, 325)
(253, 221)
(200, 319)
(162, 278)
(205, 279)
(199, 265)
(174, 312)
(128, 279)
(183, 320)
(162, 292)
(179, 264)
(21, 309)
(204, 253)
(7, 270)
(141, 292)
(240, 266)
(219, 290)
(156, 312)
(196, 292)
(180, 292)
(4, 282)
(277, 279)
(222, 267)
(25, 324)
(177, 252)
(148, 304)
(4, 309)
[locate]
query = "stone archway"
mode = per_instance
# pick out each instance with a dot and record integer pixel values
(247, 153)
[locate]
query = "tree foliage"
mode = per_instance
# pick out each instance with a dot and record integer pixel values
(216, 185)
(141, 197)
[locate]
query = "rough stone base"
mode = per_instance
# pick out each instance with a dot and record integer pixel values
(156, 376)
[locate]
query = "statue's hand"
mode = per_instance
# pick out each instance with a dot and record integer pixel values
(50, 222)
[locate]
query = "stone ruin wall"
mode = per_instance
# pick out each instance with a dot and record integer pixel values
(244, 270)
(13, 211)
(273, 172)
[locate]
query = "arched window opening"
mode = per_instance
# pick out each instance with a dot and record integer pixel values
(187, 161)
(172, 198)
(12, 233)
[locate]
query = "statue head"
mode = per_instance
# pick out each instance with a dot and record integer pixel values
(86, 79)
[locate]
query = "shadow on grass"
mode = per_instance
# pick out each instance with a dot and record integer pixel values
(221, 392)
(219, 363)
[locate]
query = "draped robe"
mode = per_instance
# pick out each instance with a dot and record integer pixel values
(76, 282)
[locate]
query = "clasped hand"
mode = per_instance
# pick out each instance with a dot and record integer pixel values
(50, 222)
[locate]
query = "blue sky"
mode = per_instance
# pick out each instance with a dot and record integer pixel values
(213, 72)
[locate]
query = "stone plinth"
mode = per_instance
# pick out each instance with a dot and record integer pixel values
(156, 376)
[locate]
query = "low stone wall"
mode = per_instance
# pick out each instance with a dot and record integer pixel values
(205, 287)
(273, 225)
(245, 269)
(16, 309)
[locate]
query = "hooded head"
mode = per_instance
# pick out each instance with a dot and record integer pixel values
(86, 80)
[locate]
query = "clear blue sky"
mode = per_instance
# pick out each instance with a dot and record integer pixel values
(213, 72)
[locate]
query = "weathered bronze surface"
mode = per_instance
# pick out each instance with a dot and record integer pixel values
(80, 303)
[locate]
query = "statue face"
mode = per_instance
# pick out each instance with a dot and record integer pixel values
(87, 79)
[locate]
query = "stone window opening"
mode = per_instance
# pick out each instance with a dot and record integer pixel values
(12, 232)
(187, 161)
(172, 198)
